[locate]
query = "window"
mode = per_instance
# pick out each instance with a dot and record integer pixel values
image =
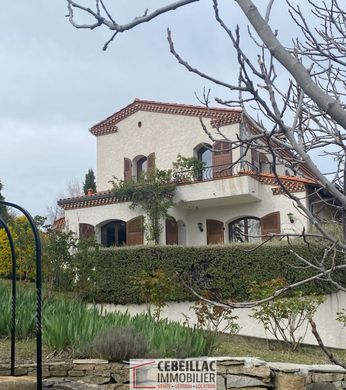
(113, 233)
(205, 155)
(245, 230)
(142, 167)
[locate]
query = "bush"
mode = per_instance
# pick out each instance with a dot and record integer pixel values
(283, 317)
(224, 271)
(119, 344)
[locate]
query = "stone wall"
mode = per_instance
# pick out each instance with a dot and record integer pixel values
(233, 373)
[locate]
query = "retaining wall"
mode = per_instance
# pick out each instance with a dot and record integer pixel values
(232, 373)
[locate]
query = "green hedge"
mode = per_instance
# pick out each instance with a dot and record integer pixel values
(225, 271)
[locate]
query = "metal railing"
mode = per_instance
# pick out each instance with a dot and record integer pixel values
(38, 254)
(214, 172)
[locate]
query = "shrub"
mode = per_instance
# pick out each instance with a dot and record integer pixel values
(224, 271)
(284, 317)
(155, 288)
(119, 344)
(215, 318)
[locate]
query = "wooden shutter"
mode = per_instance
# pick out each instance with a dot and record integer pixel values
(134, 231)
(254, 159)
(215, 232)
(151, 163)
(171, 231)
(127, 169)
(270, 223)
(264, 164)
(86, 231)
(222, 159)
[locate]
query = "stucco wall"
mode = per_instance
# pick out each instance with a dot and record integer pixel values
(332, 332)
(165, 134)
(225, 208)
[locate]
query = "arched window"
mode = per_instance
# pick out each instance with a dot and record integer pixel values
(205, 155)
(245, 230)
(113, 233)
(142, 167)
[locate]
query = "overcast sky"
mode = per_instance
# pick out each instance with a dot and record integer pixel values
(56, 82)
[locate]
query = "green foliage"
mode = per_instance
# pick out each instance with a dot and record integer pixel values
(215, 318)
(3, 209)
(68, 323)
(152, 194)
(58, 259)
(191, 164)
(67, 262)
(24, 248)
(284, 317)
(90, 182)
(155, 289)
(119, 344)
(225, 271)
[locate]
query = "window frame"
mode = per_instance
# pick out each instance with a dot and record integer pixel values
(246, 228)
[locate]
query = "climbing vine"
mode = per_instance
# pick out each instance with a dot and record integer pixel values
(153, 194)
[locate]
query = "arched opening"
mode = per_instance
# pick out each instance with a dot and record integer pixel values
(181, 232)
(140, 163)
(205, 155)
(113, 233)
(246, 229)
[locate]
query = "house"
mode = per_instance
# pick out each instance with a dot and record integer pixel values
(233, 199)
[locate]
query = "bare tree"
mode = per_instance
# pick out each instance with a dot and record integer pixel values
(73, 189)
(306, 118)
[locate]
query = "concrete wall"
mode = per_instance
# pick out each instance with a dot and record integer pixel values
(332, 332)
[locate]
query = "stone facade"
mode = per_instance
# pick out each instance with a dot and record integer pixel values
(233, 373)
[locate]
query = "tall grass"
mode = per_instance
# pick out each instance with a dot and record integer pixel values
(68, 323)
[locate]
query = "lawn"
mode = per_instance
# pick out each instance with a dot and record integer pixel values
(272, 350)
(229, 346)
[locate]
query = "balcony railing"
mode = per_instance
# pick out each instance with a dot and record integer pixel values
(213, 172)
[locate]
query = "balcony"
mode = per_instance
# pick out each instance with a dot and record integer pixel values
(217, 185)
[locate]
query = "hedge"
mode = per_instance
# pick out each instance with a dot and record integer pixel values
(225, 271)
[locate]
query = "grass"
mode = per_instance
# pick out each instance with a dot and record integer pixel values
(273, 351)
(230, 346)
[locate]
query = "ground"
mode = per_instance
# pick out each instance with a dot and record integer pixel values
(229, 346)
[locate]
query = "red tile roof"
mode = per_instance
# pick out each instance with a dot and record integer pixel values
(218, 116)
(291, 183)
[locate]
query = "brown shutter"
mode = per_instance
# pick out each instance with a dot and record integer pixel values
(215, 232)
(264, 164)
(222, 159)
(86, 231)
(134, 231)
(151, 163)
(127, 169)
(254, 159)
(171, 231)
(270, 223)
